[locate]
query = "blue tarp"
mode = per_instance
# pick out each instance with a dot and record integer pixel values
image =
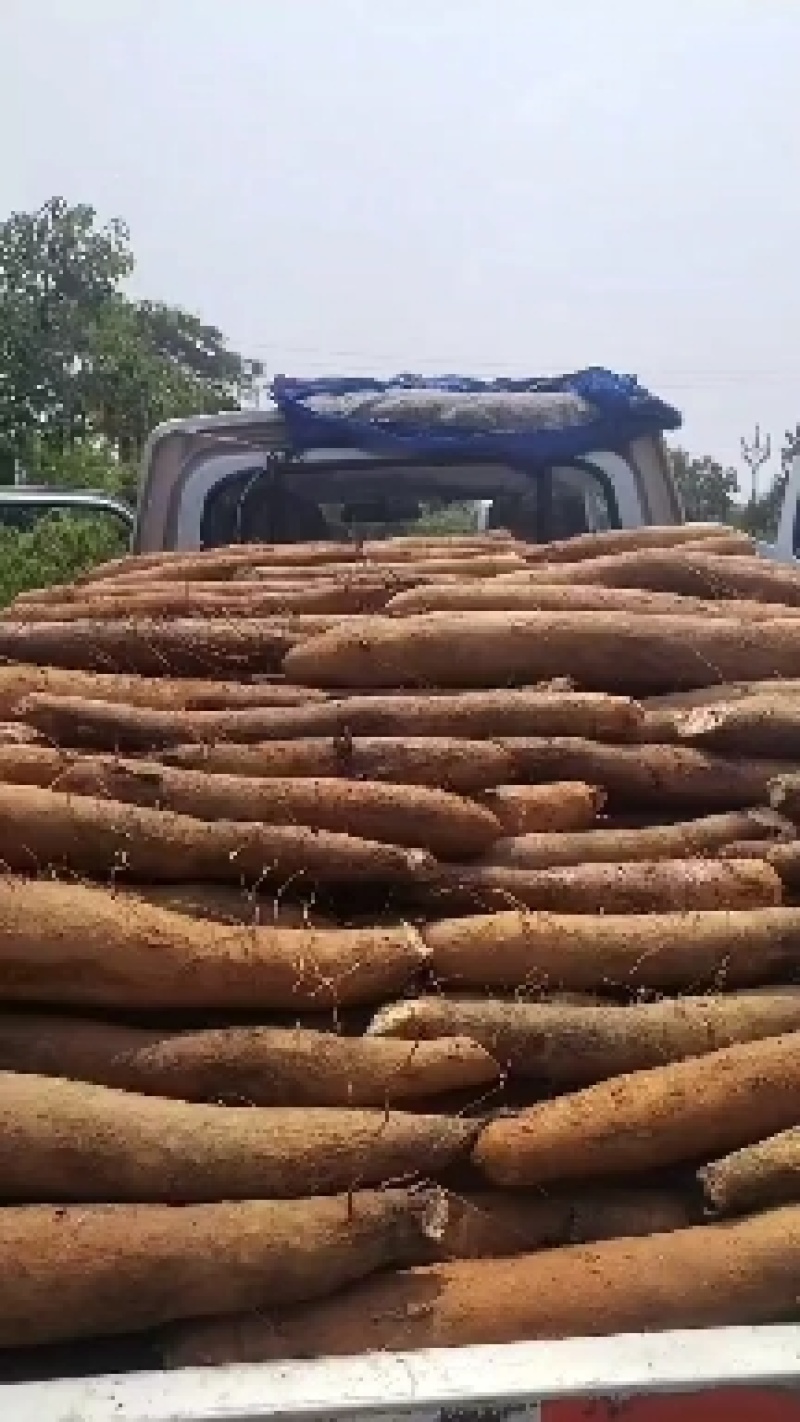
(523, 421)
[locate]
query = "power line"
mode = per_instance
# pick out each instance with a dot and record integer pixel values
(684, 377)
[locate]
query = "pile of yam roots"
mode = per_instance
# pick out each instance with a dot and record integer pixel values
(399, 946)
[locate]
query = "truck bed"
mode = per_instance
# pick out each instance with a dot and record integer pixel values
(612, 1376)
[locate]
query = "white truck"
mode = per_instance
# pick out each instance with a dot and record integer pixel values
(235, 477)
(209, 480)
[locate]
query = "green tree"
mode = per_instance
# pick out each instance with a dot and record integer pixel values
(79, 360)
(53, 550)
(86, 373)
(58, 268)
(708, 488)
(151, 363)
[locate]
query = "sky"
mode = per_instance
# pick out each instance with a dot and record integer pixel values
(485, 186)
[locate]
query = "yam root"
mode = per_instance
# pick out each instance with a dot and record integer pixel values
(216, 646)
(518, 593)
(649, 886)
(107, 1269)
(466, 564)
(784, 796)
(227, 903)
(495, 1224)
(600, 650)
(721, 692)
(626, 540)
(668, 1114)
(685, 839)
(44, 828)
(490, 713)
(69, 944)
(106, 725)
(756, 1177)
(567, 1045)
(708, 1276)
(68, 1140)
(464, 767)
(550, 952)
(694, 573)
(79, 722)
(447, 825)
(754, 726)
(231, 600)
(256, 1066)
(169, 694)
(665, 776)
(783, 858)
(699, 572)
(563, 805)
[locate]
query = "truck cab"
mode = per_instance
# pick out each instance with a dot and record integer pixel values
(234, 478)
(545, 469)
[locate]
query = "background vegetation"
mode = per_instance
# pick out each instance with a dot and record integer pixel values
(86, 372)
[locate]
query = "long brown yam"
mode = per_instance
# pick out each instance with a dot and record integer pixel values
(708, 571)
(229, 903)
(69, 944)
(755, 726)
(626, 540)
(722, 692)
(703, 1277)
(398, 566)
(75, 721)
(699, 1107)
(516, 593)
(229, 600)
(694, 573)
(69, 1140)
(661, 775)
(463, 766)
(161, 597)
(757, 1176)
(600, 650)
(784, 796)
(226, 562)
(563, 805)
(783, 858)
(567, 1045)
(44, 828)
(665, 716)
(107, 1269)
(685, 840)
(493, 1224)
(688, 951)
(17, 682)
(216, 646)
(248, 1066)
(219, 562)
(467, 564)
(650, 886)
(106, 725)
(447, 825)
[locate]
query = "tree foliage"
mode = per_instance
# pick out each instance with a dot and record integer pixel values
(53, 550)
(86, 372)
(708, 488)
(80, 360)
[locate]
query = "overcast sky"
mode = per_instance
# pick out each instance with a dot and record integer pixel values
(470, 185)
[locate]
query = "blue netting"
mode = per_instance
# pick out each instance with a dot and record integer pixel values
(523, 421)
